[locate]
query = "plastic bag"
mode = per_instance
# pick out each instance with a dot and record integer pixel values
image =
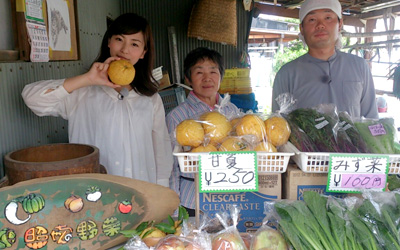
(177, 242)
(268, 238)
(347, 125)
(317, 126)
(136, 243)
(227, 236)
(297, 136)
(343, 141)
(204, 131)
(378, 134)
(380, 211)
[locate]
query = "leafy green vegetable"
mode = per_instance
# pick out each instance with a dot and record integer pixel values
(322, 222)
(305, 225)
(378, 144)
(362, 232)
(317, 126)
(352, 132)
(317, 205)
(382, 218)
(299, 138)
(393, 181)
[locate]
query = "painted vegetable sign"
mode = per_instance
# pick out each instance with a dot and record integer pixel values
(81, 211)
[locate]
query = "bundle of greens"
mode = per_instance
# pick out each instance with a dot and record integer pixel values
(383, 217)
(382, 143)
(299, 138)
(352, 132)
(330, 223)
(344, 142)
(317, 126)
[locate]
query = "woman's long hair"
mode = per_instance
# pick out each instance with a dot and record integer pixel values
(127, 24)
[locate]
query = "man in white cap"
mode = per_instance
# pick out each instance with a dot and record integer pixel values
(325, 74)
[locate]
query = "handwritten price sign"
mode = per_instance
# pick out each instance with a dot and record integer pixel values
(228, 172)
(349, 173)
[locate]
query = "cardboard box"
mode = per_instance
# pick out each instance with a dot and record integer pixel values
(164, 82)
(296, 182)
(251, 204)
(237, 72)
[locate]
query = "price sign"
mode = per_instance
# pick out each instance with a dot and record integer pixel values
(350, 173)
(228, 172)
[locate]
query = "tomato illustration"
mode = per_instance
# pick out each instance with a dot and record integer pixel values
(125, 206)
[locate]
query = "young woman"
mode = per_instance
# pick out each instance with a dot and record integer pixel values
(126, 123)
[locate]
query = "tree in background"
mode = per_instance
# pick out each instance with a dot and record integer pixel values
(293, 50)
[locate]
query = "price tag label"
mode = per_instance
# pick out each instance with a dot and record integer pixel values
(350, 173)
(377, 129)
(228, 172)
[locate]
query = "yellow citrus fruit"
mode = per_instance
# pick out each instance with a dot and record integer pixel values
(189, 133)
(216, 126)
(201, 148)
(265, 146)
(234, 144)
(155, 233)
(278, 130)
(251, 124)
(234, 122)
(121, 72)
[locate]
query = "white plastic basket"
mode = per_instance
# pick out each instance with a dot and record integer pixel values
(319, 162)
(266, 162)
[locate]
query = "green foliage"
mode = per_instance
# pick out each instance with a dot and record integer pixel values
(294, 50)
(332, 223)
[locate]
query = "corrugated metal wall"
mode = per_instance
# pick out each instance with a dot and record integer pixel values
(20, 128)
(165, 13)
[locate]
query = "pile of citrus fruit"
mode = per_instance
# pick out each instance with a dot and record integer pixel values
(213, 131)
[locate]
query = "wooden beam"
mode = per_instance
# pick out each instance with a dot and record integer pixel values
(353, 21)
(277, 10)
(371, 45)
(372, 34)
(376, 14)
(294, 13)
(265, 36)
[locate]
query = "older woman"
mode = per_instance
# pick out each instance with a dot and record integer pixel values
(204, 70)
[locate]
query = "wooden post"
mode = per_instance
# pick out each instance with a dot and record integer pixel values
(197, 212)
(370, 26)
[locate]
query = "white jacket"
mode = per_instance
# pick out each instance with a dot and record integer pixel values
(131, 133)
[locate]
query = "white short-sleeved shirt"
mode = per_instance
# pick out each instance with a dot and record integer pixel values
(131, 133)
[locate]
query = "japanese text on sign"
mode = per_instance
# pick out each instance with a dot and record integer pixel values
(352, 173)
(228, 171)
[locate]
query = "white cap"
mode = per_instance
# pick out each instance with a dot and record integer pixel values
(310, 5)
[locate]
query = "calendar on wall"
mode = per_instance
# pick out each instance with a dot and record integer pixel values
(46, 30)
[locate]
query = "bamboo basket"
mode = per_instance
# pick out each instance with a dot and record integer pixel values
(214, 21)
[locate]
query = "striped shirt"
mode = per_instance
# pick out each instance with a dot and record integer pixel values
(192, 108)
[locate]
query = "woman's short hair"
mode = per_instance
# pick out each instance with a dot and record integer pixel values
(202, 53)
